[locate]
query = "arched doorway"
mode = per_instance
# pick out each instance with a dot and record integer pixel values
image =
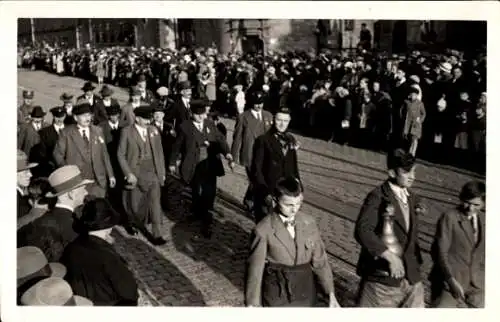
(399, 37)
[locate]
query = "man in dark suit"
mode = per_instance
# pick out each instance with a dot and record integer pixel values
(88, 97)
(147, 97)
(249, 126)
(181, 110)
(140, 155)
(274, 157)
(198, 145)
(23, 180)
(458, 252)
(99, 111)
(48, 139)
(53, 231)
(83, 145)
(27, 136)
(389, 279)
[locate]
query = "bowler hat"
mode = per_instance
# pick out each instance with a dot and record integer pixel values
(199, 106)
(53, 291)
(32, 264)
(22, 162)
(65, 97)
(144, 111)
(97, 214)
(398, 158)
(37, 112)
(106, 91)
(184, 85)
(65, 179)
(88, 87)
(113, 109)
(257, 97)
(28, 94)
(58, 111)
(82, 108)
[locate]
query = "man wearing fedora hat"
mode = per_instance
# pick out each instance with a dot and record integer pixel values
(23, 180)
(67, 100)
(54, 230)
(100, 114)
(24, 111)
(127, 116)
(140, 155)
(83, 145)
(88, 94)
(181, 110)
(28, 136)
(32, 267)
(53, 291)
(198, 145)
(48, 140)
(147, 97)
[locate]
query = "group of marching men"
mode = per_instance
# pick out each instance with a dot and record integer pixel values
(97, 151)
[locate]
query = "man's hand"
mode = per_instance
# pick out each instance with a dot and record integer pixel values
(395, 264)
(456, 289)
(172, 169)
(112, 182)
(333, 301)
(131, 179)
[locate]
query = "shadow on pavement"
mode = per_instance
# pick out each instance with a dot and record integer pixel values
(160, 278)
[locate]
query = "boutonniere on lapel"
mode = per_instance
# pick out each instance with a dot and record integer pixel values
(268, 122)
(206, 143)
(309, 243)
(153, 133)
(101, 140)
(208, 130)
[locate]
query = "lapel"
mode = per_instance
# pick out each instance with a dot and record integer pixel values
(283, 235)
(482, 229)
(137, 137)
(398, 214)
(275, 145)
(151, 130)
(467, 227)
(300, 236)
(78, 140)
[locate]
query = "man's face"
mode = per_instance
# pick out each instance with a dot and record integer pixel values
(413, 96)
(37, 121)
(23, 178)
(136, 99)
(453, 60)
(289, 206)
(106, 98)
(68, 105)
(376, 86)
(142, 121)
(400, 74)
(457, 72)
(186, 93)
(78, 195)
(59, 120)
(199, 117)
(114, 118)
(28, 101)
(83, 119)
(89, 93)
(281, 121)
(142, 85)
(404, 178)
(473, 206)
(158, 117)
(258, 107)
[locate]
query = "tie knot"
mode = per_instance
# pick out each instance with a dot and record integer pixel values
(290, 222)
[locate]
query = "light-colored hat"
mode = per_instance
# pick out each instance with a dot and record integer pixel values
(445, 67)
(348, 64)
(415, 78)
(162, 91)
(65, 179)
(22, 162)
(53, 291)
(32, 263)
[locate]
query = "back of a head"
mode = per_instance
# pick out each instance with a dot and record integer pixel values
(399, 158)
(289, 186)
(472, 190)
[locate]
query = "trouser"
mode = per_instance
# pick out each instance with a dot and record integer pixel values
(248, 200)
(374, 294)
(413, 141)
(284, 285)
(143, 204)
(474, 298)
(96, 191)
(203, 192)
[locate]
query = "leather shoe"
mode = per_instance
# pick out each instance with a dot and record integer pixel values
(131, 230)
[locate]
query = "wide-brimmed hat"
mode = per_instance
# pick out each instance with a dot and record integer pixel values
(144, 111)
(88, 86)
(65, 179)
(445, 67)
(113, 109)
(106, 91)
(28, 94)
(65, 97)
(32, 264)
(82, 108)
(37, 112)
(22, 162)
(184, 85)
(58, 111)
(53, 291)
(97, 214)
(162, 91)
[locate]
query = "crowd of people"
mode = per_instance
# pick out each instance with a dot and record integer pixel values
(169, 136)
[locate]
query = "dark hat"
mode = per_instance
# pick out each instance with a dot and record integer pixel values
(113, 109)
(58, 111)
(65, 97)
(184, 85)
(82, 109)
(22, 162)
(283, 110)
(135, 91)
(37, 112)
(199, 106)
(106, 91)
(141, 78)
(257, 97)
(400, 159)
(28, 94)
(88, 87)
(97, 214)
(144, 111)
(413, 90)
(157, 107)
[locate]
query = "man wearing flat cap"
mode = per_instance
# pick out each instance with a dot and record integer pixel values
(27, 136)
(24, 111)
(83, 145)
(249, 126)
(140, 155)
(391, 274)
(199, 145)
(53, 231)
(48, 139)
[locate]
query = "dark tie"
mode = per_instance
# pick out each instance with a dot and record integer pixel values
(289, 223)
(85, 137)
(473, 222)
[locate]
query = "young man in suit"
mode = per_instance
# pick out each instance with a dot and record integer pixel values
(286, 253)
(147, 97)
(53, 231)
(249, 126)
(389, 279)
(198, 145)
(48, 139)
(23, 180)
(274, 157)
(140, 155)
(88, 95)
(27, 136)
(83, 145)
(458, 252)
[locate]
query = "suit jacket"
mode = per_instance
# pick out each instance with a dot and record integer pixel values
(180, 113)
(369, 227)
(51, 232)
(269, 164)
(112, 139)
(149, 99)
(99, 110)
(44, 155)
(70, 149)
(188, 143)
(23, 205)
(409, 114)
(271, 242)
(95, 98)
(127, 116)
(27, 138)
(246, 130)
(454, 252)
(96, 271)
(130, 147)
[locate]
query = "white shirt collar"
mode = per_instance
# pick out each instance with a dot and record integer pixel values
(20, 191)
(186, 101)
(106, 103)
(58, 127)
(60, 205)
(258, 115)
(81, 129)
(113, 125)
(285, 219)
(401, 193)
(140, 129)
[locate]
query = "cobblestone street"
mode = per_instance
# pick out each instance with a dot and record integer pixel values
(188, 271)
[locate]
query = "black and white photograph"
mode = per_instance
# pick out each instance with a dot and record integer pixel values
(250, 162)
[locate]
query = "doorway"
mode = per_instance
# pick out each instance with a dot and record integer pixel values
(252, 44)
(399, 37)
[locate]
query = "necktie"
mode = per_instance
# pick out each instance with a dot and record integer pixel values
(290, 226)
(473, 221)
(85, 137)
